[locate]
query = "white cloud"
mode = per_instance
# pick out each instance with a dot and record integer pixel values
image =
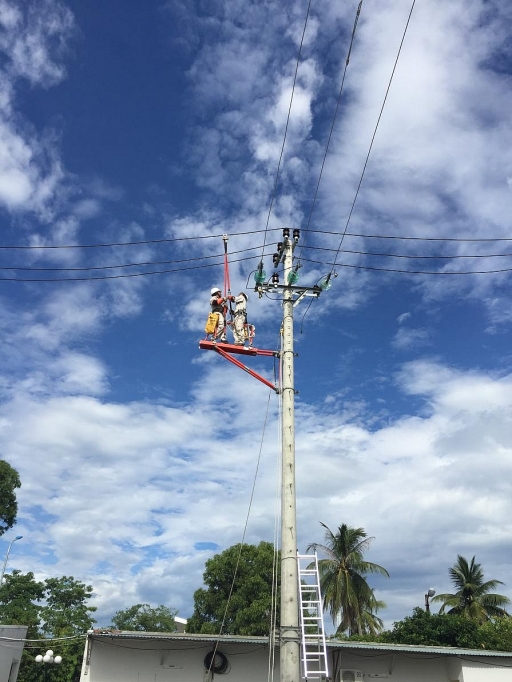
(87, 208)
(143, 475)
(79, 374)
(34, 39)
(407, 337)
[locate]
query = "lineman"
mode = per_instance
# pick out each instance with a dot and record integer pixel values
(240, 319)
(216, 324)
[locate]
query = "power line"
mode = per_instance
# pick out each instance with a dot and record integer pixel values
(27, 247)
(313, 203)
(420, 239)
(31, 247)
(123, 276)
(125, 265)
(238, 260)
(286, 127)
(411, 256)
(375, 132)
(411, 272)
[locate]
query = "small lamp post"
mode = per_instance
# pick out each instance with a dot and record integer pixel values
(428, 597)
(48, 659)
(18, 537)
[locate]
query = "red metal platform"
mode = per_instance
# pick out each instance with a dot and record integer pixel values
(232, 348)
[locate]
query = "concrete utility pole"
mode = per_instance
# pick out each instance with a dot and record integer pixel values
(290, 636)
(290, 630)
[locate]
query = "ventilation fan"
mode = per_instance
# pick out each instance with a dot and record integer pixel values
(351, 676)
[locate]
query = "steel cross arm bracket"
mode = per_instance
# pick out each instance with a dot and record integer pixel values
(313, 291)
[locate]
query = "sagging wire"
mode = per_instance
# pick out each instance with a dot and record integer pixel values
(43, 247)
(242, 543)
(313, 203)
(373, 136)
(274, 191)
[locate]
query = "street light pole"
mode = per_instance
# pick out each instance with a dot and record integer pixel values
(428, 596)
(48, 659)
(18, 537)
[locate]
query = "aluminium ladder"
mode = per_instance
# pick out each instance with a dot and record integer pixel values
(314, 650)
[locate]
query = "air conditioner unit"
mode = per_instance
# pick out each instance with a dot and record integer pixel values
(348, 675)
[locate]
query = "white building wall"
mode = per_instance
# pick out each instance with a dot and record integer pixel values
(11, 649)
(126, 659)
(156, 661)
(488, 671)
(395, 667)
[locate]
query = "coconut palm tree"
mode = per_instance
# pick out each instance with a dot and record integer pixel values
(472, 598)
(347, 596)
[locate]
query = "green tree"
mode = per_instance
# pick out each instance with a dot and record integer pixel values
(428, 629)
(20, 601)
(145, 618)
(473, 598)
(9, 481)
(250, 605)
(497, 634)
(64, 613)
(347, 595)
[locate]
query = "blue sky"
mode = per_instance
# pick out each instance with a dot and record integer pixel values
(127, 122)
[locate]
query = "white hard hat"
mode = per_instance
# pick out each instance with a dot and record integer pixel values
(214, 290)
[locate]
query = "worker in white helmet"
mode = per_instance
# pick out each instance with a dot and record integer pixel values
(218, 305)
(240, 319)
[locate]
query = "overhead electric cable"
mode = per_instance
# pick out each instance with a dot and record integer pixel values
(411, 256)
(375, 132)
(125, 265)
(242, 543)
(141, 242)
(412, 272)
(419, 239)
(32, 247)
(238, 260)
(286, 128)
(123, 276)
(358, 12)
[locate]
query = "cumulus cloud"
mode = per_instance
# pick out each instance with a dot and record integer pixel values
(407, 337)
(443, 472)
(33, 39)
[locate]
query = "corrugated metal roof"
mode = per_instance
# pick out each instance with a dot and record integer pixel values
(331, 643)
(178, 636)
(414, 648)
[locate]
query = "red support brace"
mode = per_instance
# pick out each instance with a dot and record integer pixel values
(247, 369)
